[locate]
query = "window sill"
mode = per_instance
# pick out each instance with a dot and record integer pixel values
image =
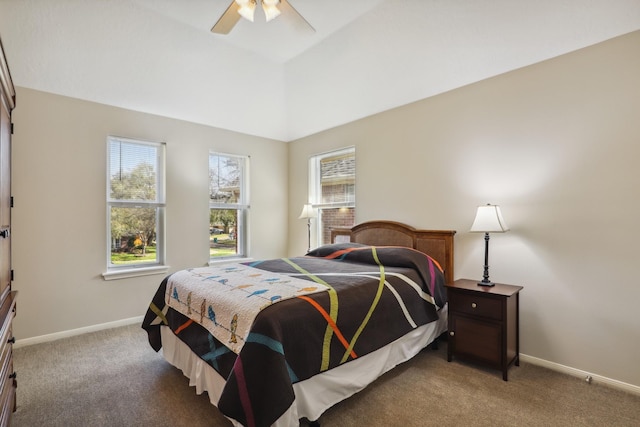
(135, 272)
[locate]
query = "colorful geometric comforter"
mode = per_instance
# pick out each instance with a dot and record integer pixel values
(371, 296)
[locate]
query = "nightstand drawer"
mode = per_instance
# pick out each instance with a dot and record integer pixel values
(475, 305)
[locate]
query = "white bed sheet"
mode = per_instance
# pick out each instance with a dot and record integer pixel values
(320, 392)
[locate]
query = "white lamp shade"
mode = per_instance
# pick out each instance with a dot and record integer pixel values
(270, 9)
(489, 220)
(246, 9)
(270, 12)
(308, 212)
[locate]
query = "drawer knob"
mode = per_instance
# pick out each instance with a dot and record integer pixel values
(474, 305)
(451, 333)
(12, 340)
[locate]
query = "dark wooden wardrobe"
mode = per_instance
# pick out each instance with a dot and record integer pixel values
(7, 296)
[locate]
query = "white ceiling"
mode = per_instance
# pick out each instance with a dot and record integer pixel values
(276, 81)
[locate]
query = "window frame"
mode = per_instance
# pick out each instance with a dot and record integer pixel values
(315, 189)
(116, 271)
(242, 207)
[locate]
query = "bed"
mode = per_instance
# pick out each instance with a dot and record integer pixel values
(276, 341)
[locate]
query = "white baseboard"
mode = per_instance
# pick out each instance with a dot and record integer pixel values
(629, 388)
(73, 332)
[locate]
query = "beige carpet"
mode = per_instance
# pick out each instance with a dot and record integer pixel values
(113, 378)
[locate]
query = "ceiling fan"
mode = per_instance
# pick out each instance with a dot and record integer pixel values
(246, 9)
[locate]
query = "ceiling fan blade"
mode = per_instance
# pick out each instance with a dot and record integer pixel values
(228, 20)
(297, 19)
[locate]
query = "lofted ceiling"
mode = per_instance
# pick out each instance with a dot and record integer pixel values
(275, 80)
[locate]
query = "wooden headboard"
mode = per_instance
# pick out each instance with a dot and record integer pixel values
(438, 244)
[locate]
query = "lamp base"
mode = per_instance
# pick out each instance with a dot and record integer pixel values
(487, 283)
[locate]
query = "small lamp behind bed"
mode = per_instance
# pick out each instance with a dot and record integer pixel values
(488, 220)
(307, 213)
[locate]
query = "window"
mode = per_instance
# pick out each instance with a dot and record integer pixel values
(135, 203)
(228, 205)
(332, 190)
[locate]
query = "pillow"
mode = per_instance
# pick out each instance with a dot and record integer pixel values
(327, 250)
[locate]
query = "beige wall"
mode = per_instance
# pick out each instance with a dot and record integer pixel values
(59, 187)
(556, 145)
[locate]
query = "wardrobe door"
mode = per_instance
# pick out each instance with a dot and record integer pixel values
(5, 202)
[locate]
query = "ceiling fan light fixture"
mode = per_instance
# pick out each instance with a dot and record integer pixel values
(247, 8)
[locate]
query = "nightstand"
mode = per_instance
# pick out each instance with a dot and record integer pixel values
(484, 324)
